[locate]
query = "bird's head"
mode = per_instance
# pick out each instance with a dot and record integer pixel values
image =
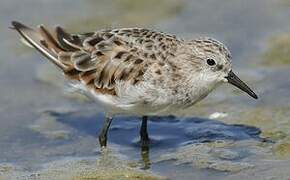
(213, 60)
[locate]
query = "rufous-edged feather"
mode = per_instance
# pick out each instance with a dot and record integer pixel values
(36, 40)
(99, 59)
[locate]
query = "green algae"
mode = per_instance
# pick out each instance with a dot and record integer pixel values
(282, 149)
(274, 123)
(265, 170)
(107, 167)
(127, 13)
(10, 171)
(6, 168)
(272, 120)
(284, 3)
(278, 53)
(216, 155)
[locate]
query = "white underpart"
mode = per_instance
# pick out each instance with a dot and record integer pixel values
(142, 99)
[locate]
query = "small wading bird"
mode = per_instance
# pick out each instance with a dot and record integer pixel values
(135, 71)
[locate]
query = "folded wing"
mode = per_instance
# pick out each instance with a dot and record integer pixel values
(98, 60)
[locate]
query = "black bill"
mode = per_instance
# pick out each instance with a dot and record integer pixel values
(235, 80)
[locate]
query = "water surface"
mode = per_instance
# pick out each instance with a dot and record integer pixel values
(46, 132)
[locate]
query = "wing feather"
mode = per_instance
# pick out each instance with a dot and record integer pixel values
(101, 59)
(36, 40)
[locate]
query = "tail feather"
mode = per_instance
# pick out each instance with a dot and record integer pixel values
(49, 39)
(41, 40)
(65, 40)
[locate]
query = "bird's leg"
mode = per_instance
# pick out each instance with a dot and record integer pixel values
(144, 134)
(104, 132)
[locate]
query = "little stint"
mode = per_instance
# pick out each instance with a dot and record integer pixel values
(136, 71)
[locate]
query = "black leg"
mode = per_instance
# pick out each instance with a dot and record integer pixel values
(144, 134)
(104, 132)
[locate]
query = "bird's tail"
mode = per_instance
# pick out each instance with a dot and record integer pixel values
(43, 41)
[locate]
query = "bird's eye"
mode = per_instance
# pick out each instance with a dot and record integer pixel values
(210, 62)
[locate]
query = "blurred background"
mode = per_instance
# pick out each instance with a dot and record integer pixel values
(46, 131)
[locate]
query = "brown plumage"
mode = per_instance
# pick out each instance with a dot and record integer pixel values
(101, 58)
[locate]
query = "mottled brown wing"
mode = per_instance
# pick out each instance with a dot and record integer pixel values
(99, 60)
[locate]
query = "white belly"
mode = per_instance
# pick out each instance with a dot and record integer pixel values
(128, 102)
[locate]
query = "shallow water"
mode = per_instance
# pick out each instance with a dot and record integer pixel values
(46, 132)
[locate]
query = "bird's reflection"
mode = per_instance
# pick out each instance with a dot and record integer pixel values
(166, 132)
(145, 155)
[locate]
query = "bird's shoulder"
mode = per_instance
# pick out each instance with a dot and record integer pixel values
(103, 58)
(143, 42)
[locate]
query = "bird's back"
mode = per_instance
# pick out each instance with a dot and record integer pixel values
(116, 66)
